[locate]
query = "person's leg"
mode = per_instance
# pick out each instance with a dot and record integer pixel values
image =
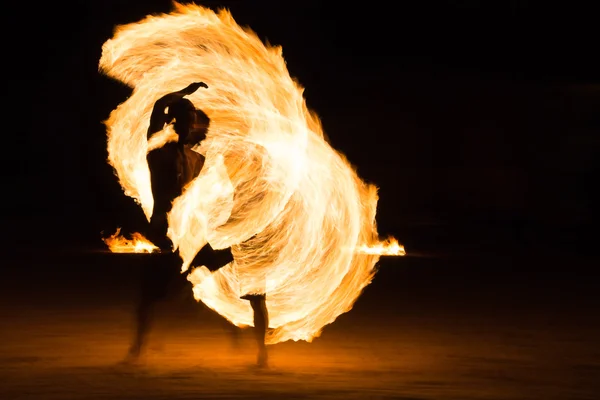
(214, 260)
(153, 286)
(143, 322)
(261, 324)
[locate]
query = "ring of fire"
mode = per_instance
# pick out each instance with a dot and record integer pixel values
(300, 221)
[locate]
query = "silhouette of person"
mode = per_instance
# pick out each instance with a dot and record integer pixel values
(172, 167)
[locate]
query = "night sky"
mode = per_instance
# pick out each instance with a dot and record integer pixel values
(478, 123)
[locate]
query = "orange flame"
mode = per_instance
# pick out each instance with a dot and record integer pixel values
(293, 209)
(389, 247)
(137, 244)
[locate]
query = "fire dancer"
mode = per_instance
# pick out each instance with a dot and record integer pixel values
(172, 167)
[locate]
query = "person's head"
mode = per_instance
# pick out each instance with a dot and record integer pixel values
(190, 124)
(198, 128)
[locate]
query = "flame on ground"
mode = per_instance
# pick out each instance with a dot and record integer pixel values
(117, 243)
(389, 247)
(300, 221)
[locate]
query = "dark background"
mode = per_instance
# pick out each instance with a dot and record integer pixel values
(477, 120)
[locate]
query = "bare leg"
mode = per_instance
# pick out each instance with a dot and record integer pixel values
(143, 322)
(155, 281)
(261, 324)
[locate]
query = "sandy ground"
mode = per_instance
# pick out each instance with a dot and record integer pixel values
(63, 338)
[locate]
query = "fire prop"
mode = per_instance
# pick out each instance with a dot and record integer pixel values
(300, 221)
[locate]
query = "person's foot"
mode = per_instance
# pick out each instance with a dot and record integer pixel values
(132, 357)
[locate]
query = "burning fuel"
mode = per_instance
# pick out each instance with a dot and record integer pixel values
(137, 244)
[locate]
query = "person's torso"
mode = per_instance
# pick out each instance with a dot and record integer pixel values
(172, 167)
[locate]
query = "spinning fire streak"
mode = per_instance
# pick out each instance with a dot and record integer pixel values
(300, 222)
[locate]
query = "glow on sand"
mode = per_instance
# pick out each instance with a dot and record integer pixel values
(300, 221)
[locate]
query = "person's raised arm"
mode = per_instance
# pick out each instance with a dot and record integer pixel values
(159, 116)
